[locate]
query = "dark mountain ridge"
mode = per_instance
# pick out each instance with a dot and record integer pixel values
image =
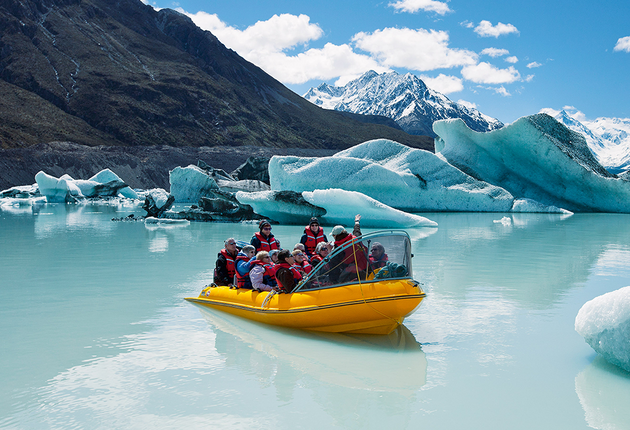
(118, 72)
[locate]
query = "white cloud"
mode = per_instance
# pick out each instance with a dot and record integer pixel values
(467, 104)
(332, 61)
(413, 6)
(421, 50)
(500, 90)
(495, 52)
(467, 24)
(265, 43)
(278, 33)
(529, 78)
(486, 29)
(533, 65)
(486, 73)
(443, 83)
(512, 59)
(623, 44)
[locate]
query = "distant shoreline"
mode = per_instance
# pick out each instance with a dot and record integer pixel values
(142, 167)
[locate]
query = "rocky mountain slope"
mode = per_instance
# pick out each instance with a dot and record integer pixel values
(404, 98)
(105, 72)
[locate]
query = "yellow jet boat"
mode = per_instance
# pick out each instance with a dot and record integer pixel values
(372, 300)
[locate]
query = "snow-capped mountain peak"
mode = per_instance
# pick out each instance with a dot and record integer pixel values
(608, 138)
(404, 98)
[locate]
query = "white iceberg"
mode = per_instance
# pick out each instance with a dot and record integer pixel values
(286, 207)
(538, 158)
(604, 323)
(532, 206)
(107, 175)
(341, 207)
(189, 184)
(60, 190)
(66, 189)
(333, 206)
(404, 178)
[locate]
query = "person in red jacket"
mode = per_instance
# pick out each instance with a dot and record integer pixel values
(301, 262)
(262, 272)
(378, 258)
(321, 252)
(313, 235)
(353, 261)
(264, 240)
(287, 276)
(225, 267)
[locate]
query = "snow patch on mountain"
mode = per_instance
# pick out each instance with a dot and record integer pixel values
(404, 98)
(607, 138)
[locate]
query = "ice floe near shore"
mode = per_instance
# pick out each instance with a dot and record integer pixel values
(66, 189)
(604, 323)
(537, 158)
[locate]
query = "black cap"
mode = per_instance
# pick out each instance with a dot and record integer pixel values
(262, 223)
(313, 221)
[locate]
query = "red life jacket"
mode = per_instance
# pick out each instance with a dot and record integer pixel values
(266, 244)
(231, 264)
(242, 281)
(269, 277)
(380, 262)
(350, 252)
(312, 240)
(297, 276)
(306, 266)
(316, 260)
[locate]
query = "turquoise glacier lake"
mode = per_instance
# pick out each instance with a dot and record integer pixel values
(95, 332)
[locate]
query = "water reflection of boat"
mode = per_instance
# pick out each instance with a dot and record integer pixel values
(393, 362)
(369, 300)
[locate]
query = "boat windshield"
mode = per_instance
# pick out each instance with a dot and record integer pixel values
(369, 258)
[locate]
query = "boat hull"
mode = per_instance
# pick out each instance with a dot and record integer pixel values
(370, 308)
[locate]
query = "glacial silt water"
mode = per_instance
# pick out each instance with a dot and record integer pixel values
(96, 335)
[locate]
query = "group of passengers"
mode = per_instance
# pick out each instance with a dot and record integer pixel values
(264, 266)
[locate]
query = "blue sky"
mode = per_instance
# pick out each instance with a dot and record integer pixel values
(507, 58)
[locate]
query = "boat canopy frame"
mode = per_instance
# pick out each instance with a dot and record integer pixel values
(396, 265)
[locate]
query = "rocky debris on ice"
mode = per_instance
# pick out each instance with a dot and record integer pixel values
(538, 158)
(256, 168)
(604, 323)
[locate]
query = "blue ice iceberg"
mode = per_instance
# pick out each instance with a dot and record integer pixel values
(191, 183)
(332, 206)
(66, 189)
(404, 178)
(604, 323)
(538, 158)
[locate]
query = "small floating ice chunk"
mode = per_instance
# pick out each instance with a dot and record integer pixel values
(604, 323)
(505, 221)
(165, 221)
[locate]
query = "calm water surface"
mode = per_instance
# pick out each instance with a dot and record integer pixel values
(96, 335)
